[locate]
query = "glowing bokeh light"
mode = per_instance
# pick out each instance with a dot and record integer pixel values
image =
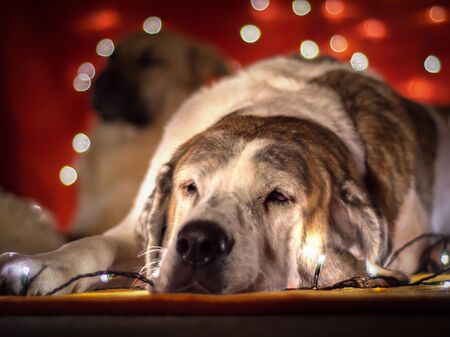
(437, 14)
(87, 68)
(446, 284)
(312, 247)
(371, 269)
(421, 88)
(338, 43)
(250, 33)
(81, 82)
(26, 270)
(152, 25)
(309, 49)
(105, 47)
(432, 64)
(301, 7)
(359, 61)
(35, 208)
(321, 259)
(445, 258)
(81, 143)
(105, 278)
(374, 28)
(260, 5)
(333, 7)
(99, 20)
(68, 175)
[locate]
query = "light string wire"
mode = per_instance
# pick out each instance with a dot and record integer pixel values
(354, 282)
(411, 242)
(130, 275)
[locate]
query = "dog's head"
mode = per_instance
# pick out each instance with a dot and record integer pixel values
(251, 203)
(149, 74)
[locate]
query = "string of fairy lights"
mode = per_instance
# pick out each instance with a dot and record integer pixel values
(250, 33)
(106, 276)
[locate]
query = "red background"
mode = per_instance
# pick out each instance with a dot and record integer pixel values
(44, 42)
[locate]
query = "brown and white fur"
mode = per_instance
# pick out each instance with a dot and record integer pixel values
(286, 160)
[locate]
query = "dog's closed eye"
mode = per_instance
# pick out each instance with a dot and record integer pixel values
(277, 197)
(189, 188)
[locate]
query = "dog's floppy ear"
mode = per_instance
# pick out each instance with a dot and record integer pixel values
(153, 217)
(357, 225)
(206, 64)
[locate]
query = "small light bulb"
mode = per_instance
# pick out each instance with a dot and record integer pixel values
(260, 5)
(371, 269)
(152, 25)
(338, 43)
(105, 47)
(312, 247)
(68, 175)
(333, 7)
(87, 68)
(105, 278)
(35, 208)
(432, 64)
(321, 259)
(81, 143)
(250, 33)
(374, 28)
(445, 258)
(446, 284)
(26, 270)
(359, 61)
(309, 49)
(82, 82)
(301, 7)
(437, 14)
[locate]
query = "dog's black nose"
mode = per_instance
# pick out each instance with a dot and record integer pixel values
(201, 242)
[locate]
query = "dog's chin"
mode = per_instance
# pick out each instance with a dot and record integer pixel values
(195, 287)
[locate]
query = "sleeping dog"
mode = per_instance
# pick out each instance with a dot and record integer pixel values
(259, 175)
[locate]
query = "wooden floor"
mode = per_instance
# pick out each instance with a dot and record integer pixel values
(412, 310)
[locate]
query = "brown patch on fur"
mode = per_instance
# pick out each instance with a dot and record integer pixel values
(425, 151)
(390, 128)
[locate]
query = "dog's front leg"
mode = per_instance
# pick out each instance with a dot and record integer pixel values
(40, 274)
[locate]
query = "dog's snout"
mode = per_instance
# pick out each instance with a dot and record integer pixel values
(201, 242)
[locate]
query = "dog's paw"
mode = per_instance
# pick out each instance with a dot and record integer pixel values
(30, 275)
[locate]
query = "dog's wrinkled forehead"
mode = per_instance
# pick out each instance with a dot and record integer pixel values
(243, 159)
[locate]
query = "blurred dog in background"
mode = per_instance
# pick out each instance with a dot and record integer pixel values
(147, 78)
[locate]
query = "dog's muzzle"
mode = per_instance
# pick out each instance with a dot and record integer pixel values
(200, 243)
(201, 247)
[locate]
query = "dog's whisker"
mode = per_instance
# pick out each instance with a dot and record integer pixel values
(152, 264)
(151, 249)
